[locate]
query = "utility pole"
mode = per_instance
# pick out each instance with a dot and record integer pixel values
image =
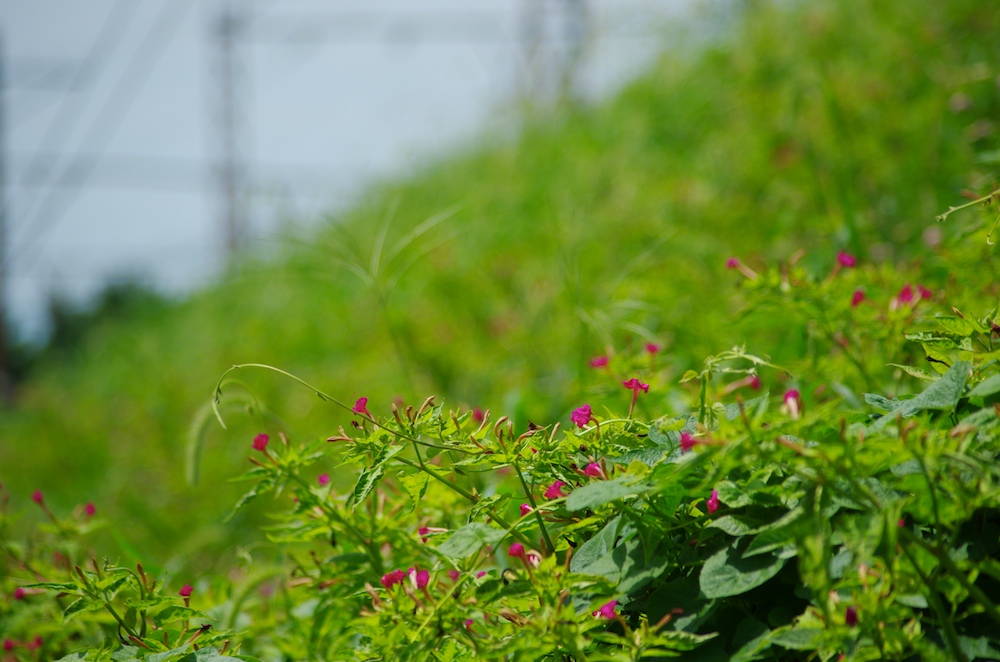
(5, 377)
(232, 165)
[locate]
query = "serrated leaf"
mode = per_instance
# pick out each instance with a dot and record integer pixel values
(370, 477)
(470, 539)
(727, 573)
(601, 492)
(415, 486)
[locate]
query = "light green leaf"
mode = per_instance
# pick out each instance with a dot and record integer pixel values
(470, 539)
(415, 485)
(601, 492)
(370, 477)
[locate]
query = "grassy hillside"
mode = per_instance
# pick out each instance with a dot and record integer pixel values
(491, 278)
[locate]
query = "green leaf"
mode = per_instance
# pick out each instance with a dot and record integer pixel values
(415, 486)
(62, 587)
(883, 403)
(470, 539)
(942, 394)
(726, 573)
(914, 372)
(599, 545)
(370, 477)
(955, 325)
(601, 492)
(801, 639)
(178, 613)
(75, 608)
(988, 387)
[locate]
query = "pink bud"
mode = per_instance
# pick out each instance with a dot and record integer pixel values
(851, 616)
(599, 362)
(857, 298)
(37, 497)
(525, 509)
(755, 382)
(185, 591)
(555, 490)
(35, 643)
(478, 415)
(713, 502)
(19, 593)
(687, 441)
(607, 611)
(652, 348)
(260, 442)
(323, 480)
(453, 575)
(90, 509)
(846, 259)
(516, 550)
(733, 263)
(594, 470)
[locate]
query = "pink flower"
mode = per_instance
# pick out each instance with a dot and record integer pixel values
(755, 382)
(906, 294)
(323, 480)
(480, 574)
(8, 644)
(390, 579)
(478, 415)
(516, 550)
(635, 385)
(794, 403)
(525, 509)
(857, 298)
(19, 593)
(733, 263)
(924, 292)
(687, 441)
(901, 523)
(423, 531)
(713, 502)
(607, 610)
(581, 416)
(846, 260)
(361, 407)
(555, 490)
(594, 470)
(652, 348)
(38, 497)
(90, 509)
(453, 575)
(260, 442)
(599, 362)
(468, 624)
(419, 578)
(851, 616)
(185, 591)
(35, 643)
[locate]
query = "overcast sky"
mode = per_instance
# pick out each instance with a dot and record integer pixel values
(113, 116)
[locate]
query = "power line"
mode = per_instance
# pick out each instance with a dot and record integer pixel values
(116, 106)
(68, 116)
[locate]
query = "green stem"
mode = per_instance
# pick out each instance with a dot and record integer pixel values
(949, 628)
(952, 210)
(534, 509)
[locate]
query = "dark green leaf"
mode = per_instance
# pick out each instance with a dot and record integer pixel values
(599, 545)
(726, 573)
(988, 387)
(75, 608)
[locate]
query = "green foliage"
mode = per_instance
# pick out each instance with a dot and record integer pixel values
(824, 483)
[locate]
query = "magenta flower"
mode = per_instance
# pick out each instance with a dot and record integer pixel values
(555, 490)
(390, 579)
(901, 523)
(857, 298)
(851, 616)
(516, 550)
(90, 509)
(599, 362)
(38, 497)
(635, 385)
(525, 509)
(846, 260)
(594, 470)
(581, 416)
(468, 624)
(906, 294)
(480, 574)
(793, 401)
(607, 610)
(185, 591)
(361, 407)
(652, 348)
(924, 292)
(419, 578)
(755, 382)
(260, 442)
(9, 644)
(733, 263)
(478, 415)
(323, 480)
(423, 531)
(713, 502)
(687, 441)
(453, 575)
(19, 593)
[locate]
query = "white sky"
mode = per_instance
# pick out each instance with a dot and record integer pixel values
(333, 95)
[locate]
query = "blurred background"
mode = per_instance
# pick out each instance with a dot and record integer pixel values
(151, 140)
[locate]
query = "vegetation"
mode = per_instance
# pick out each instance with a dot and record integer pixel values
(822, 484)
